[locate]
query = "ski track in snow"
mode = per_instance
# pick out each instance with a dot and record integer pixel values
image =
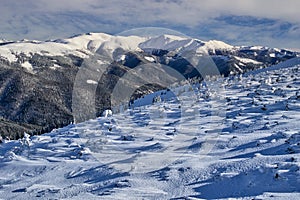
(154, 151)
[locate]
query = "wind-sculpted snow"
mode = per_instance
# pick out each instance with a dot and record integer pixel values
(155, 151)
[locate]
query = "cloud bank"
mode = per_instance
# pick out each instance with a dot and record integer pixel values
(269, 22)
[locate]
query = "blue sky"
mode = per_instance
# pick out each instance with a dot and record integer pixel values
(273, 23)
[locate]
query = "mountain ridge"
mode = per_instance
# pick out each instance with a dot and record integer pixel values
(81, 44)
(35, 72)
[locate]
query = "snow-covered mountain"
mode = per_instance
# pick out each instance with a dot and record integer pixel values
(85, 45)
(37, 77)
(229, 138)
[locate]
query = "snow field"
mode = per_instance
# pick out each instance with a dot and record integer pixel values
(157, 150)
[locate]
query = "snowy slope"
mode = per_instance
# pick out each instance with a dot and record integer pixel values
(286, 64)
(181, 44)
(180, 148)
(82, 45)
(247, 60)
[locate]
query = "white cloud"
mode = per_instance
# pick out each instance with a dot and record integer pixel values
(40, 19)
(184, 11)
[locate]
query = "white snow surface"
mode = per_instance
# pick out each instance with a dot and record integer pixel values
(149, 58)
(82, 45)
(183, 44)
(157, 150)
(247, 60)
(27, 66)
(91, 82)
(87, 44)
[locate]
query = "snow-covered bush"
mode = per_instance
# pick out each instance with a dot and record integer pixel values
(26, 141)
(107, 113)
